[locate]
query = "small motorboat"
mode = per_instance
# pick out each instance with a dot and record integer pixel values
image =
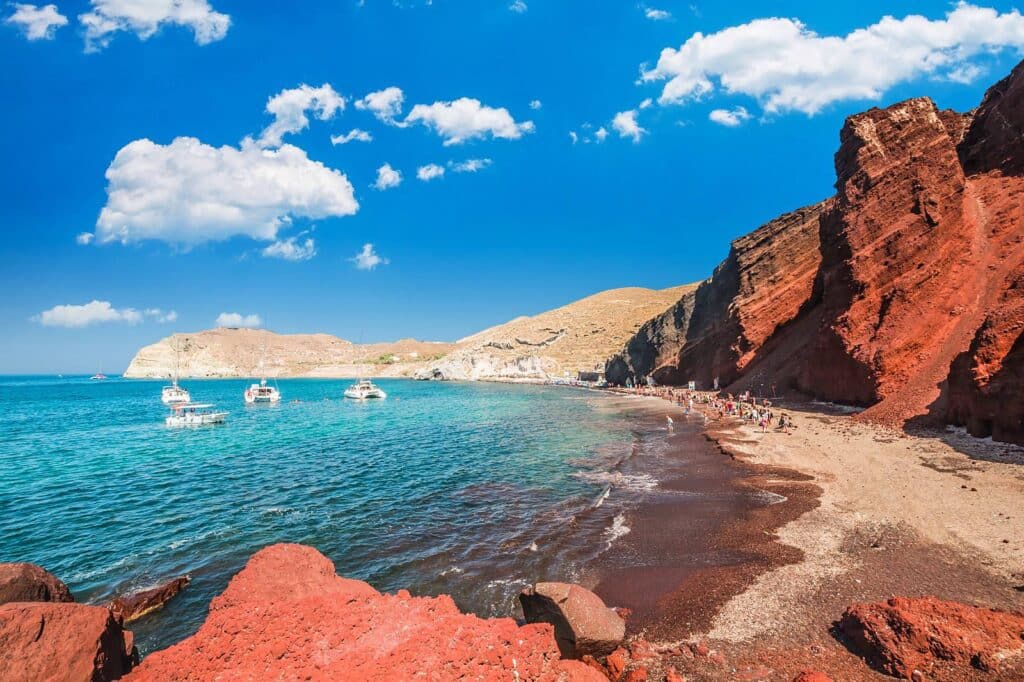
(99, 376)
(364, 389)
(194, 414)
(174, 394)
(262, 393)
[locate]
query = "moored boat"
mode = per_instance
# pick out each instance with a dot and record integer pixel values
(174, 394)
(262, 393)
(364, 389)
(194, 414)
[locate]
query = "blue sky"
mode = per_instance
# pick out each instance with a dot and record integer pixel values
(741, 126)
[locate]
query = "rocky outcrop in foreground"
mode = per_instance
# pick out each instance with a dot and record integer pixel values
(932, 638)
(138, 604)
(28, 582)
(62, 641)
(903, 293)
(287, 615)
(584, 626)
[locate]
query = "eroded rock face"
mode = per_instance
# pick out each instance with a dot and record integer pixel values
(62, 641)
(287, 615)
(928, 634)
(584, 626)
(28, 582)
(134, 606)
(902, 293)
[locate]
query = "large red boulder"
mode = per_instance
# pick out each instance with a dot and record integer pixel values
(583, 624)
(61, 641)
(136, 605)
(287, 615)
(905, 634)
(28, 582)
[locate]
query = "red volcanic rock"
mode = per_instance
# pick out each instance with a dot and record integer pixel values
(994, 140)
(62, 641)
(287, 615)
(812, 676)
(671, 675)
(907, 282)
(636, 675)
(134, 606)
(28, 582)
(907, 634)
(617, 661)
(583, 624)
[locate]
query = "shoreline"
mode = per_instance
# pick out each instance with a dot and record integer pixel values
(869, 513)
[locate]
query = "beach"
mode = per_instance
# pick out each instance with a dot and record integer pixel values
(868, 513)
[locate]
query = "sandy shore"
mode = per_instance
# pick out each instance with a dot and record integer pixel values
(870, 513)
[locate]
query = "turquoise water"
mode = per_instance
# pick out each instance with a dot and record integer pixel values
(469, 489)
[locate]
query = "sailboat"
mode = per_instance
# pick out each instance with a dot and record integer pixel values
(175, 394)
(262, 392)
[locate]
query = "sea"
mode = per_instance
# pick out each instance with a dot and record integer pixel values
(467, 489)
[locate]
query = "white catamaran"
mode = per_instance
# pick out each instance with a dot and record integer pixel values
(262, 393)
(363, 390)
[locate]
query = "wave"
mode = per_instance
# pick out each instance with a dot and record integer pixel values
(616, 530)
(634, 482)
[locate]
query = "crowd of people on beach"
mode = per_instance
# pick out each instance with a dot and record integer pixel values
(745, 406)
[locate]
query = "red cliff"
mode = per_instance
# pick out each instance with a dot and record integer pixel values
(902, 293)
(288, 615)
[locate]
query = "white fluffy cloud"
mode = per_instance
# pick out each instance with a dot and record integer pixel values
(788, 67)
(625, 125)
(657, 14)
(730, 117)
(535, 104)
(161, 316)
(601, 134)
(188, 192)
(289, 108)
(238, 320)
(429, 172)
(354, 135)
(84, 238)
(368, 259)
(94, 312)
(518, 6)
(37, 23)
(387, 177)
(467, 119)
(146, 17)
(385, 104)
(291, 249)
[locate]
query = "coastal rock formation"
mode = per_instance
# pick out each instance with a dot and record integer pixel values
(718, 329)
(932, 636)
(228, 352)
(902, 293)
(584, 626)
(28, 582)
(558, 344)
(553, 345)
(134, 606)
(288, 615)
(62, 641)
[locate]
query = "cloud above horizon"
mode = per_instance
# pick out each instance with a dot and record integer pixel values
(238, 320)
(37, 23)
(145, 18)
(429, 172)
(368, 258)
(625, 125)
(384, 104)
(387, 177)
(94, 312)
(729, 117)
(289, 108)
(467, 119)
(291, 249)
(188, 192)
(786, 66)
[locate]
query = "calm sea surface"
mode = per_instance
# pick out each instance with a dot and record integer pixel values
(468, 489)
